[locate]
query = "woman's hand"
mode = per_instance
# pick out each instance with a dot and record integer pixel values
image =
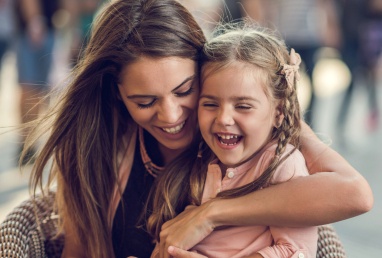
(186, 230)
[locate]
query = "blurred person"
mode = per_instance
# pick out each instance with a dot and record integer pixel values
(236, 10)
(351, 13)
(361, 45)
(232, 11)
(6, 27)
(371, 56)
(206, 13)
(34, 53)
(82, 15)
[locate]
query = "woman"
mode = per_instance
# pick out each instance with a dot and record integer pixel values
(130, 109)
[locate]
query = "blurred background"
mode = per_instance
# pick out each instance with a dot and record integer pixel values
(340, 42)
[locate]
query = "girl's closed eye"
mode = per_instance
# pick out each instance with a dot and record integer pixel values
(208, 104)
(244, 106)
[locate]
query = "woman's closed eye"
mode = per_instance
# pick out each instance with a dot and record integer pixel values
(185, 93)
(144, 105)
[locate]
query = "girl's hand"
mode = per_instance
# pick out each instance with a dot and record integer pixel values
(180, 253)
(186, 230)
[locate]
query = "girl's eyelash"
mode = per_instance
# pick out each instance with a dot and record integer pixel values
(209, 105)
(186, 93)
(244, 107)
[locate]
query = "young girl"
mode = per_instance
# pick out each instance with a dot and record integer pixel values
(249, 116)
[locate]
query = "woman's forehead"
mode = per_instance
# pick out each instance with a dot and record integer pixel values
(164, 72)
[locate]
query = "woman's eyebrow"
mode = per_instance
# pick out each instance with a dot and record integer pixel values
(140, 96)
(183, 82)
(137, 96)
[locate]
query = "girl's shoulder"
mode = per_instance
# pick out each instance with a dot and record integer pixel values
(292, 163)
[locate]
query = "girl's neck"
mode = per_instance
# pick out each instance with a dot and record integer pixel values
(224, 167)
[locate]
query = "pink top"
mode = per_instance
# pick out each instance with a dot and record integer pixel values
(238, 241)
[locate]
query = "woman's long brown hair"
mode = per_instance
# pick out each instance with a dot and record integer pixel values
(87, 124)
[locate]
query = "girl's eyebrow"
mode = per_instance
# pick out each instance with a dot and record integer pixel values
(235, 98)
(153, 96)
(208, 96)
(244, 98)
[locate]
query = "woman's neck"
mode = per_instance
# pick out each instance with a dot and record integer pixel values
(169, 155)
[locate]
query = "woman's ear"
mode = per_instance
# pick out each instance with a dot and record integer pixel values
(279, 116)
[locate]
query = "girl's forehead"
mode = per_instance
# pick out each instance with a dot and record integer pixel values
(248, 69)
(250, 72)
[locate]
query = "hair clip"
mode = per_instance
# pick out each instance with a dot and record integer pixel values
(290, 71)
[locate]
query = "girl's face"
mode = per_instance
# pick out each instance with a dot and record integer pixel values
(235, 115)
(161, 95)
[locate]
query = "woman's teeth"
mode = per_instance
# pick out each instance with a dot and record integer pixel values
(174, 130)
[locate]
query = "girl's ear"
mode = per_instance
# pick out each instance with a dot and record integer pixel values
(279, 116)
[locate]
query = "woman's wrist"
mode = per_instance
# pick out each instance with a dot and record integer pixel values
(212, 214)
(219, 212)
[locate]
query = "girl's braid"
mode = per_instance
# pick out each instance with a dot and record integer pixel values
(290, 128)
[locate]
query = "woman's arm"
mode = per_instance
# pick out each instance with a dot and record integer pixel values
(335, 191)
(179, 253)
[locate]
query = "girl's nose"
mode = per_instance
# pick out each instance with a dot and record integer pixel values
(224, 117)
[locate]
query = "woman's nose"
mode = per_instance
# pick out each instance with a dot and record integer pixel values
(170, 111)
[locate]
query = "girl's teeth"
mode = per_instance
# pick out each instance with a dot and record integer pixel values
(227, 137)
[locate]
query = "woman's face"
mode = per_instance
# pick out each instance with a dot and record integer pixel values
(161, 94)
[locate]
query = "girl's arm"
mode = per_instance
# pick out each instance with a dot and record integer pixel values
(335, 191)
